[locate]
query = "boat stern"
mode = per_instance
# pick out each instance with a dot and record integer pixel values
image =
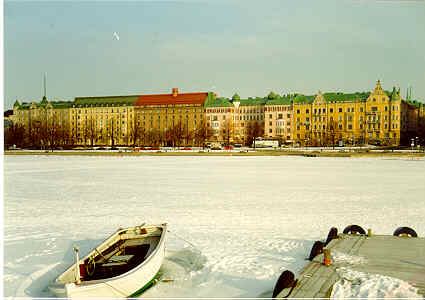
(59, 289)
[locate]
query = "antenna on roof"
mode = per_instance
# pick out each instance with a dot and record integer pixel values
(44, 85)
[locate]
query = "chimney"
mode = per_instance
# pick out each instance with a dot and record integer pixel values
(215, 95)
(175, 92)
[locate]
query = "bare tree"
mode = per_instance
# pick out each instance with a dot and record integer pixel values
(112, 131)
(90, 131)
(34, 133)
(65, 137)
(178, 133)
(14, 135)
(52, 131)
(203, 133)
(254, 130)
(332, 132)
(227, 132)
(135, 132)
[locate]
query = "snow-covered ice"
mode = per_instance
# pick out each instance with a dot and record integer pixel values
(359, 285)
(248, 218)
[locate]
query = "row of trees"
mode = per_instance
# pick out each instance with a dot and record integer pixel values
(52, 134)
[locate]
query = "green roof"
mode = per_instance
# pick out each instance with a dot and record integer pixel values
(44, 102)
(415, 103)
(217, 102)
(341, 97)
(105, 101)
(280, 101)
(253, 102)
(56, 104)
(27, 105)
(303, 99)
(61, 104)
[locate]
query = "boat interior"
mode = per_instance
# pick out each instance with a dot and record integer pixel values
(117, 255)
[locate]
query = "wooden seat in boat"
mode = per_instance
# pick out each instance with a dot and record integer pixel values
(118, 260)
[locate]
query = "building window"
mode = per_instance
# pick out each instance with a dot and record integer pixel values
(307, 111)
(331, 110)
(340, 109)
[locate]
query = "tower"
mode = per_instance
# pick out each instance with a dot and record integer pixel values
(44, 87)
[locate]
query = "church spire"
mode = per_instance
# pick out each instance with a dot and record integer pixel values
(378, 88)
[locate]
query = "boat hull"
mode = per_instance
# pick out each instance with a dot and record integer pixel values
(128, 284)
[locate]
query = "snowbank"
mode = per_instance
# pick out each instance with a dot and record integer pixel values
(359, 285)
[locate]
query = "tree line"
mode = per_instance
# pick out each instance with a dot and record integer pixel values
(52, 133)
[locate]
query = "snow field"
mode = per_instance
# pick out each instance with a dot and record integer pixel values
(249, 218)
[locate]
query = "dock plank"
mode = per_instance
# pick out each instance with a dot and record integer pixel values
(397, 257)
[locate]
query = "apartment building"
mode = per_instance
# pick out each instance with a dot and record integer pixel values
(357, 118)
(278, 119)
(161, 118)
(376, 117)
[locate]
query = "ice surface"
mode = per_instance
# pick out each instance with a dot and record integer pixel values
(248, 218)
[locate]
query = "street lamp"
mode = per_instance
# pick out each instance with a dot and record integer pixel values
(417, 143)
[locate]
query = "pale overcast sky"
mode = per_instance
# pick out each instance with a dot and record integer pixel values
(248, 47)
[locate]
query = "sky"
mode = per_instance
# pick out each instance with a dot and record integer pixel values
(105, 48)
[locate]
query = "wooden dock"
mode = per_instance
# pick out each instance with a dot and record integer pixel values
(397, 257)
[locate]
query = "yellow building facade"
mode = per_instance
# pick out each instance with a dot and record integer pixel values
(379, 117)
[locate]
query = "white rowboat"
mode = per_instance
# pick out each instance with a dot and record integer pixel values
(124, 265)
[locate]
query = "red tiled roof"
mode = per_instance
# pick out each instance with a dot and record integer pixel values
(161, 99)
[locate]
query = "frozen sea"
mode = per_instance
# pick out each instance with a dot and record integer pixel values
(236, 222)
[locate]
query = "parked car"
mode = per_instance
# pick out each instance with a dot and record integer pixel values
(113, 148)
(100, 148)
(237, 145)
(228, 147)
(187, 148)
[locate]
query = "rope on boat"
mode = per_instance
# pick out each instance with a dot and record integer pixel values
(193, 246)
(118, 290)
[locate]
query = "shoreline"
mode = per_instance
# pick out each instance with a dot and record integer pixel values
(223, 153)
